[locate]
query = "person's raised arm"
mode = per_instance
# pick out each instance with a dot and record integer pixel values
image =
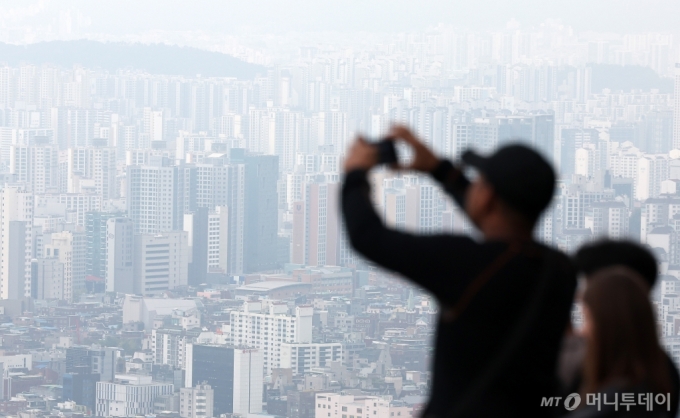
(449, 176)
(423, 259)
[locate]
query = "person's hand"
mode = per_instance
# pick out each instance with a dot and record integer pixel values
(361, 156)
(424, 159)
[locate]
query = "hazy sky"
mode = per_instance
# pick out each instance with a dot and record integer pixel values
(124, 17)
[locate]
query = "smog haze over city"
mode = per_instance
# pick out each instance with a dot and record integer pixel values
(171, 173)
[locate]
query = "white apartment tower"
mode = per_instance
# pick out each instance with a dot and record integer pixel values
(35, 165)
(651, 171)
(153, 124)
(16, 243)
(169, 346)
(152, 198)
(267, 329)
(218, 237)
(96, 163)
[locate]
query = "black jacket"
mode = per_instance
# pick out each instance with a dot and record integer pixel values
(445, 265)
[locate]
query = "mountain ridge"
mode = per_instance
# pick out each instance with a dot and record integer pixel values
(159, 59)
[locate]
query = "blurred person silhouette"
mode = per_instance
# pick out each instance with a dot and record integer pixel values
(623, 354)
(610, 257)
(504, 300)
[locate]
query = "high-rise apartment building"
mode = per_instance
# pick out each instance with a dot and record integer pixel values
(234, 374)
(36, 165)
(153, 124)
(316, 225)
(651, 171)
(16, 242)
(70, 248)
(169, 345)
(608, 219)
(153, 201)
(95, 167)
(95, 234)
(267, 328)
(218, 240)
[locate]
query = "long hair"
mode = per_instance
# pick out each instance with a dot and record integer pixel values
(623, 347)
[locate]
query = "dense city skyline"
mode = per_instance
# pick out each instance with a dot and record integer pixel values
(173, 240)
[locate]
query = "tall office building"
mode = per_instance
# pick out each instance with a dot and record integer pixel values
(161, 262)
(119, 273)
(676, 108)
(260, 210)
(16, 242)
(234, 374)
(80, 387)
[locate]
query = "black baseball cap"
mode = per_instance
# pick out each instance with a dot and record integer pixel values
(520, 176)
